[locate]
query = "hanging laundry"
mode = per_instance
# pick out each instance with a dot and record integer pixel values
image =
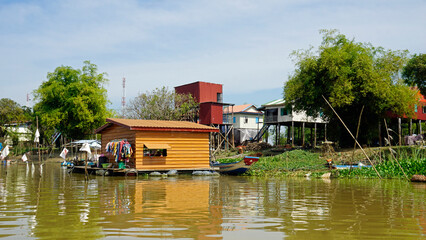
(120, 149)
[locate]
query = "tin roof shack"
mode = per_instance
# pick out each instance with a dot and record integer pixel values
(160, 145)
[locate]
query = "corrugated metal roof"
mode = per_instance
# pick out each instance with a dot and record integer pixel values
(275, 102)
(136, 124)
(239, 108)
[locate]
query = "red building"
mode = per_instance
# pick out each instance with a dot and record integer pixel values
(210, 97)
(420, 109)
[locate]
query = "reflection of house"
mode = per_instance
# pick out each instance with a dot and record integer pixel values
(169, 208)
(277, 113)
(161, 145)
(246, 119)
(20, 130)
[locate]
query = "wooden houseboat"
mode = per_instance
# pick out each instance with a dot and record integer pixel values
(159, 145)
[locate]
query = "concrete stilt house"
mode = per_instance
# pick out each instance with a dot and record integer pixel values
(160, 145)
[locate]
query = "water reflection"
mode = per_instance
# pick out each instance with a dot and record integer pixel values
(49, 203)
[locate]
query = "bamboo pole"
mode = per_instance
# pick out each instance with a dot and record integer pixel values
(399, 131)
(380, 134)
(390, 150)
(38, 144)
(359, 145)
(315, 135)
(356, 137)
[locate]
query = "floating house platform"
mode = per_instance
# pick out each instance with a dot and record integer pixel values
(113, 171)
(156, 145)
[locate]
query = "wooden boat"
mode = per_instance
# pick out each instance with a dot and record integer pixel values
(236, 168)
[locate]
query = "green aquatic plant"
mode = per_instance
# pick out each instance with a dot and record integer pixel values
(387, 169)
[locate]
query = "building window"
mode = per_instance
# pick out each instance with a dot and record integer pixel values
(245, 120)
(257, 119)
(424, 109)
(283, 111)
(155, 152)
(234, 119)
(219, 97)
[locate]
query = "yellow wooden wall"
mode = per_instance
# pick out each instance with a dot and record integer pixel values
(116, 132)
(189, 150)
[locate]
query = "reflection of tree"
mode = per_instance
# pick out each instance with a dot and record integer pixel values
(49, 203)
(301, 208)
(332, 209)
(58, 205)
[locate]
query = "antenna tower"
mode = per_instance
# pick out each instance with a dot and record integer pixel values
(123, 100)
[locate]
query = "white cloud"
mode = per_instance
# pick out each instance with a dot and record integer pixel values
(242, 44)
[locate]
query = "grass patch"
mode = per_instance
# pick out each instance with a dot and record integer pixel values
(300, 162)
(287, 164)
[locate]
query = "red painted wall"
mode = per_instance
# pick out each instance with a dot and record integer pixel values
(419, 114)
(211, 113)
(205, 93)
(201, 91)
(209, 91)
(192, 88)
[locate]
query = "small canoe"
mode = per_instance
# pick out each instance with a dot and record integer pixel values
(349, 166)
(236, 168)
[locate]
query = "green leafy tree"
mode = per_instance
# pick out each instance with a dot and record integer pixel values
(414, 73)
(162, 104)
(11, 111)
(350, 75)
(72, 101)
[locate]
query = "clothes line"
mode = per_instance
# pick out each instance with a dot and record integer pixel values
(119, 148)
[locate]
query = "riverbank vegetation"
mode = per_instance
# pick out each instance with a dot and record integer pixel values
(313, 163)
(351, 76)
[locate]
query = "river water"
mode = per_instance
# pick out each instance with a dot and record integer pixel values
(49, 203)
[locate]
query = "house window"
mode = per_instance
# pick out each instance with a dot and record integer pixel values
(219, 97)
(415, 107)
(257, 119)
(245, 120)
(154, 152)
(283, 111)
(234, 119)
(424, 109)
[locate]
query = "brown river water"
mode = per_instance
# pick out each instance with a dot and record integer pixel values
(49, 203)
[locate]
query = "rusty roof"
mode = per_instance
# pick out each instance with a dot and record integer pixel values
(239, 108)
(158, 125)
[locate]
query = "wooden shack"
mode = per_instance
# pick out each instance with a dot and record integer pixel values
(160, 145)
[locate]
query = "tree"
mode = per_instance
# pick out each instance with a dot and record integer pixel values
(350, 75)
(414, 73)
(162, 104)
(72, 101)
(11, 111)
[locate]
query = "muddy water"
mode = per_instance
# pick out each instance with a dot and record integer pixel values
(49, 203)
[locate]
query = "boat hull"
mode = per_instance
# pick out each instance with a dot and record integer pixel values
(236, 168)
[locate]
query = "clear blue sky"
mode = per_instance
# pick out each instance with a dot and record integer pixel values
(244, 45)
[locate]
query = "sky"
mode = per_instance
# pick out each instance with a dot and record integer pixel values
(243, 44)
